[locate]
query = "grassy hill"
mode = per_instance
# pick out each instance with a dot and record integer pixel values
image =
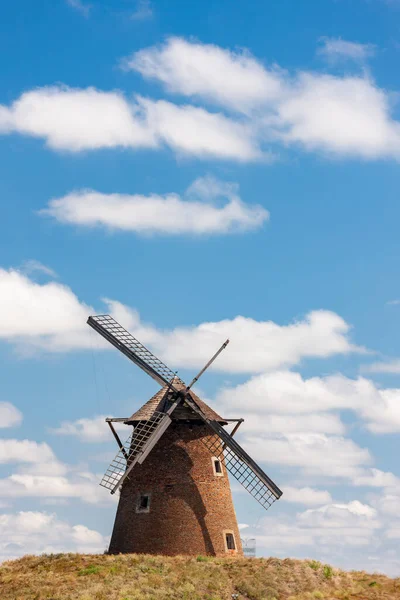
(139, 577)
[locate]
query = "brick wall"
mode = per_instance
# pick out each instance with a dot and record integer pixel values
(190, 507)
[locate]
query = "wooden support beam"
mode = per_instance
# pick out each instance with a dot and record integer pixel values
(234, 430)
(120, 444)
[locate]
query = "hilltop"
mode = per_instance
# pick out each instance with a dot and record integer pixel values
(142, 577)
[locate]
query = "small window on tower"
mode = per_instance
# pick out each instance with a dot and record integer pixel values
(143, 503)
(217, 466)
(230, 541)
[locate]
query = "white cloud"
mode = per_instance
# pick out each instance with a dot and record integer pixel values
(47, 315)
(314, 453)
(377, 478)
(328, 529)
(169, 214)
(10, 416)
(388, 504)
(287, 393)
(335, 515)
(38, 532)
(38, 473)
(24, 451)
(143, 12)
(88, 119)
(305, 495)
(393, 532)
(390, 367)
(80, 6)
(51, 317)
(233, 79)
(194, 131)
(82, 485)
(280, 423)
(336, 49)
(94, 429)
(338, 115)
(254, 345)
(77, 119)
(344, 116)
(33, 266)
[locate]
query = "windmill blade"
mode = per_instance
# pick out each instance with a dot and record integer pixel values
(124, 341)
(136, 448)
(238, 462)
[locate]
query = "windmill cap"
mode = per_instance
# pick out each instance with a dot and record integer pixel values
(146, 411)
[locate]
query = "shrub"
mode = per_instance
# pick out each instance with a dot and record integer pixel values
(328, 572)
(90, 570)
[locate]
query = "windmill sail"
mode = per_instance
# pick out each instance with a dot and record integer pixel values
(136, 448)
(147, 433)
(238, 462)
(132, 348)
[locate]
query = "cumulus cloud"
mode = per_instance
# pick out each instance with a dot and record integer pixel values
(342, 115)
(88, 119)
(194, 131)
(329, 528)
(75, 119)
(254, 345)
(346, 116)
(315, 454)
(306, 495)
(50, 316)
(94, 429)
(25, 451)
(43, 315)
(83, 486)
(10, 416)
(198, 213)
(377, 478)
(233, 79)
(260, 108)
(336, 49)
(29, 532)
(287, 393)
(37, 472)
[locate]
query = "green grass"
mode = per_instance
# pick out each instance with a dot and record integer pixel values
(327, 571)
(143, 577)
(90, 570)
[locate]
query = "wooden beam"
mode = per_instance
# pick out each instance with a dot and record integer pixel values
(120, 444)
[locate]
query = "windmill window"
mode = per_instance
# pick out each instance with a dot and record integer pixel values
(229, 541)
(217, 467)
(143, 503)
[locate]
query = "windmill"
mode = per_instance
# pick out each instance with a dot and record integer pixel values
(175, 495)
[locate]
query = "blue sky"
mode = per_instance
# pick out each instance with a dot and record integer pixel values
(203, 170)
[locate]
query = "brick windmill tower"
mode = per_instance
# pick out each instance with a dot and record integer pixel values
(172, 472)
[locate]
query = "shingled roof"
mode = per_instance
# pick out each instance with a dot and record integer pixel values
(147, 410)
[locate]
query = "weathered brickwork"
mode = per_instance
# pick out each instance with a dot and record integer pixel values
(191, 508)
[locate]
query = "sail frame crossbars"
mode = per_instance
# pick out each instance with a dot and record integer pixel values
(130, 451)
(147, 433)
(241, 471)
(238, 462)
(124, 341)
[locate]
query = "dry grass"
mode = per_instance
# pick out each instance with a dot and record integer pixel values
(142, 577)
